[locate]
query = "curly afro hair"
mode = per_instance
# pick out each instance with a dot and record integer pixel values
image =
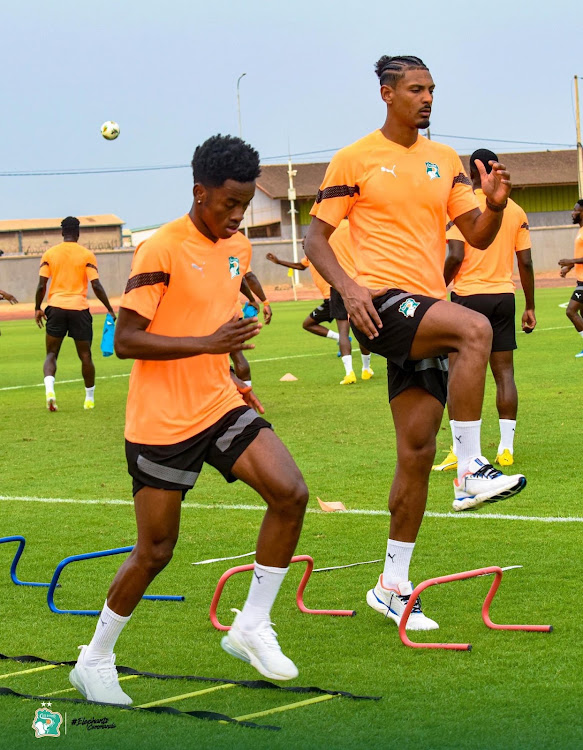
(224, 157)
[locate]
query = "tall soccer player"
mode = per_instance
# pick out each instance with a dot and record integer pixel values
(483, 282)
(70, 267)
(185, 409)
(575, 307)
(397, 189)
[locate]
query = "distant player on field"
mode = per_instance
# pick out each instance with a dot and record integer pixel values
(332, 308)
(397, 189)
(185, 409)
(8, 297)
(483, 282)
(575, 307)
(70, 267)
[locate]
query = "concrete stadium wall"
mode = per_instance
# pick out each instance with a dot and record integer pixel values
(19, 274)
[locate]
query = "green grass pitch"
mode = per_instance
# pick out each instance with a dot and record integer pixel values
(514, 690)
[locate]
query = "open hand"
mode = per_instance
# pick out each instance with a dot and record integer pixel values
(233, 335)
(40, 317)
(496, 185)
(248, 396)
(8, 297)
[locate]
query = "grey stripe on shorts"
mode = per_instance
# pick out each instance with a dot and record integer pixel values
(224, 442)
(393, 301)
(166, 473)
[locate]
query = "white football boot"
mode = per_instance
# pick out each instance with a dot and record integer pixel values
(98, 683)
(392, 602)
(484, 484)
(259, 647)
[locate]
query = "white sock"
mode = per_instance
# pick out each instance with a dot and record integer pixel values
(332, 335)
(90, 393)
(106, 634)
(49, 384)
(580, 334)
(466, 443)
(507, 428)
(365, 361)
(247, 382)
(451, 425)
(347, 362)
(262, 592)
(397, 563)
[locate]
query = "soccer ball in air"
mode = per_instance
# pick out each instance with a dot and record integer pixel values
(110, 130)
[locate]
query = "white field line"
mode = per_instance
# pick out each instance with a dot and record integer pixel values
(355, 512)
(127, 374)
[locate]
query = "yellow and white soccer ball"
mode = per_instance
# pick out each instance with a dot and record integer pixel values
(110, 130)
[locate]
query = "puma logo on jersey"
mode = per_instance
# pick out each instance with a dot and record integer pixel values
(390, 171)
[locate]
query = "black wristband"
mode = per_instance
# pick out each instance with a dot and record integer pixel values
(496, 208)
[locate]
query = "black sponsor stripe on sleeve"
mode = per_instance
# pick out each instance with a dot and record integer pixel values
(461, 178)
(44, 263)
(90, 265)
(147, 279)
(524, 225)
(337, 191)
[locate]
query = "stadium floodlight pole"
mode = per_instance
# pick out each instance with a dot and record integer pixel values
(579, 145)
(245, 226)
(291, 196)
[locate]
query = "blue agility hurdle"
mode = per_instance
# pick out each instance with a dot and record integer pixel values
(90, 556)
(21, 542)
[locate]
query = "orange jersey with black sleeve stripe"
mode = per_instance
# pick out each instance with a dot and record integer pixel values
(319, 281)
(341, 244)
(579, 254)
(70, 267)
(397, 201)
(185, 285)
(489, 271)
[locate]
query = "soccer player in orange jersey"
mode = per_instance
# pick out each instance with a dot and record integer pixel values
(575, 307)
(70, 267)
(398, 189)
(185, 408)
(483, 282)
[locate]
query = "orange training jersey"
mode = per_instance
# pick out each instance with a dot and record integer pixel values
(186, 285)
(319, 281)
(490, 271)
(70, 267)
(397, 201)
(341, 243)
(579, 254)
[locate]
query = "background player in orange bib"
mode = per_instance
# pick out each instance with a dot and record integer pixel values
(185, 409)
(70, 267)
(398, 190)
(575, 307)
(483, 282)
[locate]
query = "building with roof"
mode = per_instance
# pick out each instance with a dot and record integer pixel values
(34, 236)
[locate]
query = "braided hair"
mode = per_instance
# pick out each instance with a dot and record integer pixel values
(390, 70)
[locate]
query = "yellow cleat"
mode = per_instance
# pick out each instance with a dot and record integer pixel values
(348, 379)
(505, 458)
(89, 404)
(367, 374)
(51, 402)
(448, 464)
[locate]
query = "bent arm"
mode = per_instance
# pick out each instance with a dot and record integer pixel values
(255, 285)
(102, 296)
(479, 227)
(320, 253)
(132, 341)
(454, 260)
(246, 291)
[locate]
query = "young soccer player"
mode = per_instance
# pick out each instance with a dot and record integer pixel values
(397, 189)
(483, 282)
(575, 307)
(185, 409)
(69, 266)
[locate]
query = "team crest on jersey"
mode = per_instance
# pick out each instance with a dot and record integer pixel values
(408, 307)
(234, 267)
(432, 170)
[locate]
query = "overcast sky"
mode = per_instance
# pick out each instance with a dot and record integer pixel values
(167, 73)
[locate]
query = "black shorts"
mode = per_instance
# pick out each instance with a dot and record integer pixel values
(401, 314)
(577, 295)
(500, 310)
(176, 467)
(337, 307)
(322, 313)
(78, 324)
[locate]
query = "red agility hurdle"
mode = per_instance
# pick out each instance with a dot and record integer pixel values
(497, 572)
(299, 595)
